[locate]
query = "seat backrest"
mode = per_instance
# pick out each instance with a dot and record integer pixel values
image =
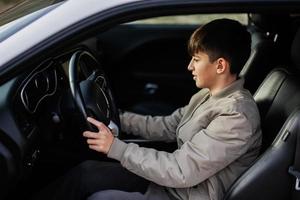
(267, 36)
(277, 97)
(268, 178)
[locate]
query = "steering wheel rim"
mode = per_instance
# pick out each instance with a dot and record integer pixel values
(91, 98)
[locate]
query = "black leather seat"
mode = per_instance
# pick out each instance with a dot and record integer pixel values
(269, 34)
(277, 97)
(268, 178)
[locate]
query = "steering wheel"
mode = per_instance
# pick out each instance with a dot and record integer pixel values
(91, 91)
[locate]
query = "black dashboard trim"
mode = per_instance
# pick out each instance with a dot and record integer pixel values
(30, 78)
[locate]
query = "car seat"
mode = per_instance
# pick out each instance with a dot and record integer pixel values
(277, 97)
(269, 178)
(269, 34)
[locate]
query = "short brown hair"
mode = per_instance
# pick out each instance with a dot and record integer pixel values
(222, 38)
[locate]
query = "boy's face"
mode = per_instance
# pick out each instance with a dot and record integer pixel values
(203, 71)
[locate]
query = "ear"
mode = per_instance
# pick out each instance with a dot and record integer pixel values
(222, 66)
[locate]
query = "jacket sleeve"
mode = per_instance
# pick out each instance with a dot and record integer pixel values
(157, 128)
(209, 151)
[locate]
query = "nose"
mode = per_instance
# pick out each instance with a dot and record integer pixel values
(190, 66)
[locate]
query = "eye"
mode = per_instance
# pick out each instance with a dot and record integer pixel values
(196, 59)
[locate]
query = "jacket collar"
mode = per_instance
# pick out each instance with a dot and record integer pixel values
(236, 85)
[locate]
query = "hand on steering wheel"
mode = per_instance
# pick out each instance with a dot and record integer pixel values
(100, 141)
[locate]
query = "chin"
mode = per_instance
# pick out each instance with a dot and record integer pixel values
(199, 86)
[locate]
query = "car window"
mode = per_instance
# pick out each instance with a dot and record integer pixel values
(195, 19)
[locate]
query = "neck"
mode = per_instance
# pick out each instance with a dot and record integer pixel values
(222, 83)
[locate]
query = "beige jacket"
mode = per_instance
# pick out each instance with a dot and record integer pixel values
(218, 137)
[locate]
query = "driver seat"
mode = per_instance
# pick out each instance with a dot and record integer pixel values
(277, 97)
(268, 178)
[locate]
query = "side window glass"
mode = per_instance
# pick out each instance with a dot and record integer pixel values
(194, 19)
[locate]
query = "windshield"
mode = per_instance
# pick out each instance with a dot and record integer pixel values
(23, 13)
(14, 9)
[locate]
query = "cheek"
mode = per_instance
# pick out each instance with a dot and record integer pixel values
(199, 70)
(201, 73)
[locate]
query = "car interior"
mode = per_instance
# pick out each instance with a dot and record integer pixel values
(141, 66)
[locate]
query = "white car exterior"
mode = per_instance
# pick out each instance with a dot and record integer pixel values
(68, 13)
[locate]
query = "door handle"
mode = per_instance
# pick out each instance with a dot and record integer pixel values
(150, 88)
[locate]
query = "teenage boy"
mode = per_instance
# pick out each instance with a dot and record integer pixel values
(218, 133)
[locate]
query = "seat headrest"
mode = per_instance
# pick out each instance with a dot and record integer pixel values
(295, 50)
(269, 22)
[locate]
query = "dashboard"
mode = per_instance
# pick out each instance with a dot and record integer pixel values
(29, 103)
(39, 86)
(38, 92)
(39, 120)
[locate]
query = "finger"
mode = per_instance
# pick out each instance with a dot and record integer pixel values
(90, 134)
(94, 147)
(97, 148)
(98, 124)
(92, 141)
(96, 143)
